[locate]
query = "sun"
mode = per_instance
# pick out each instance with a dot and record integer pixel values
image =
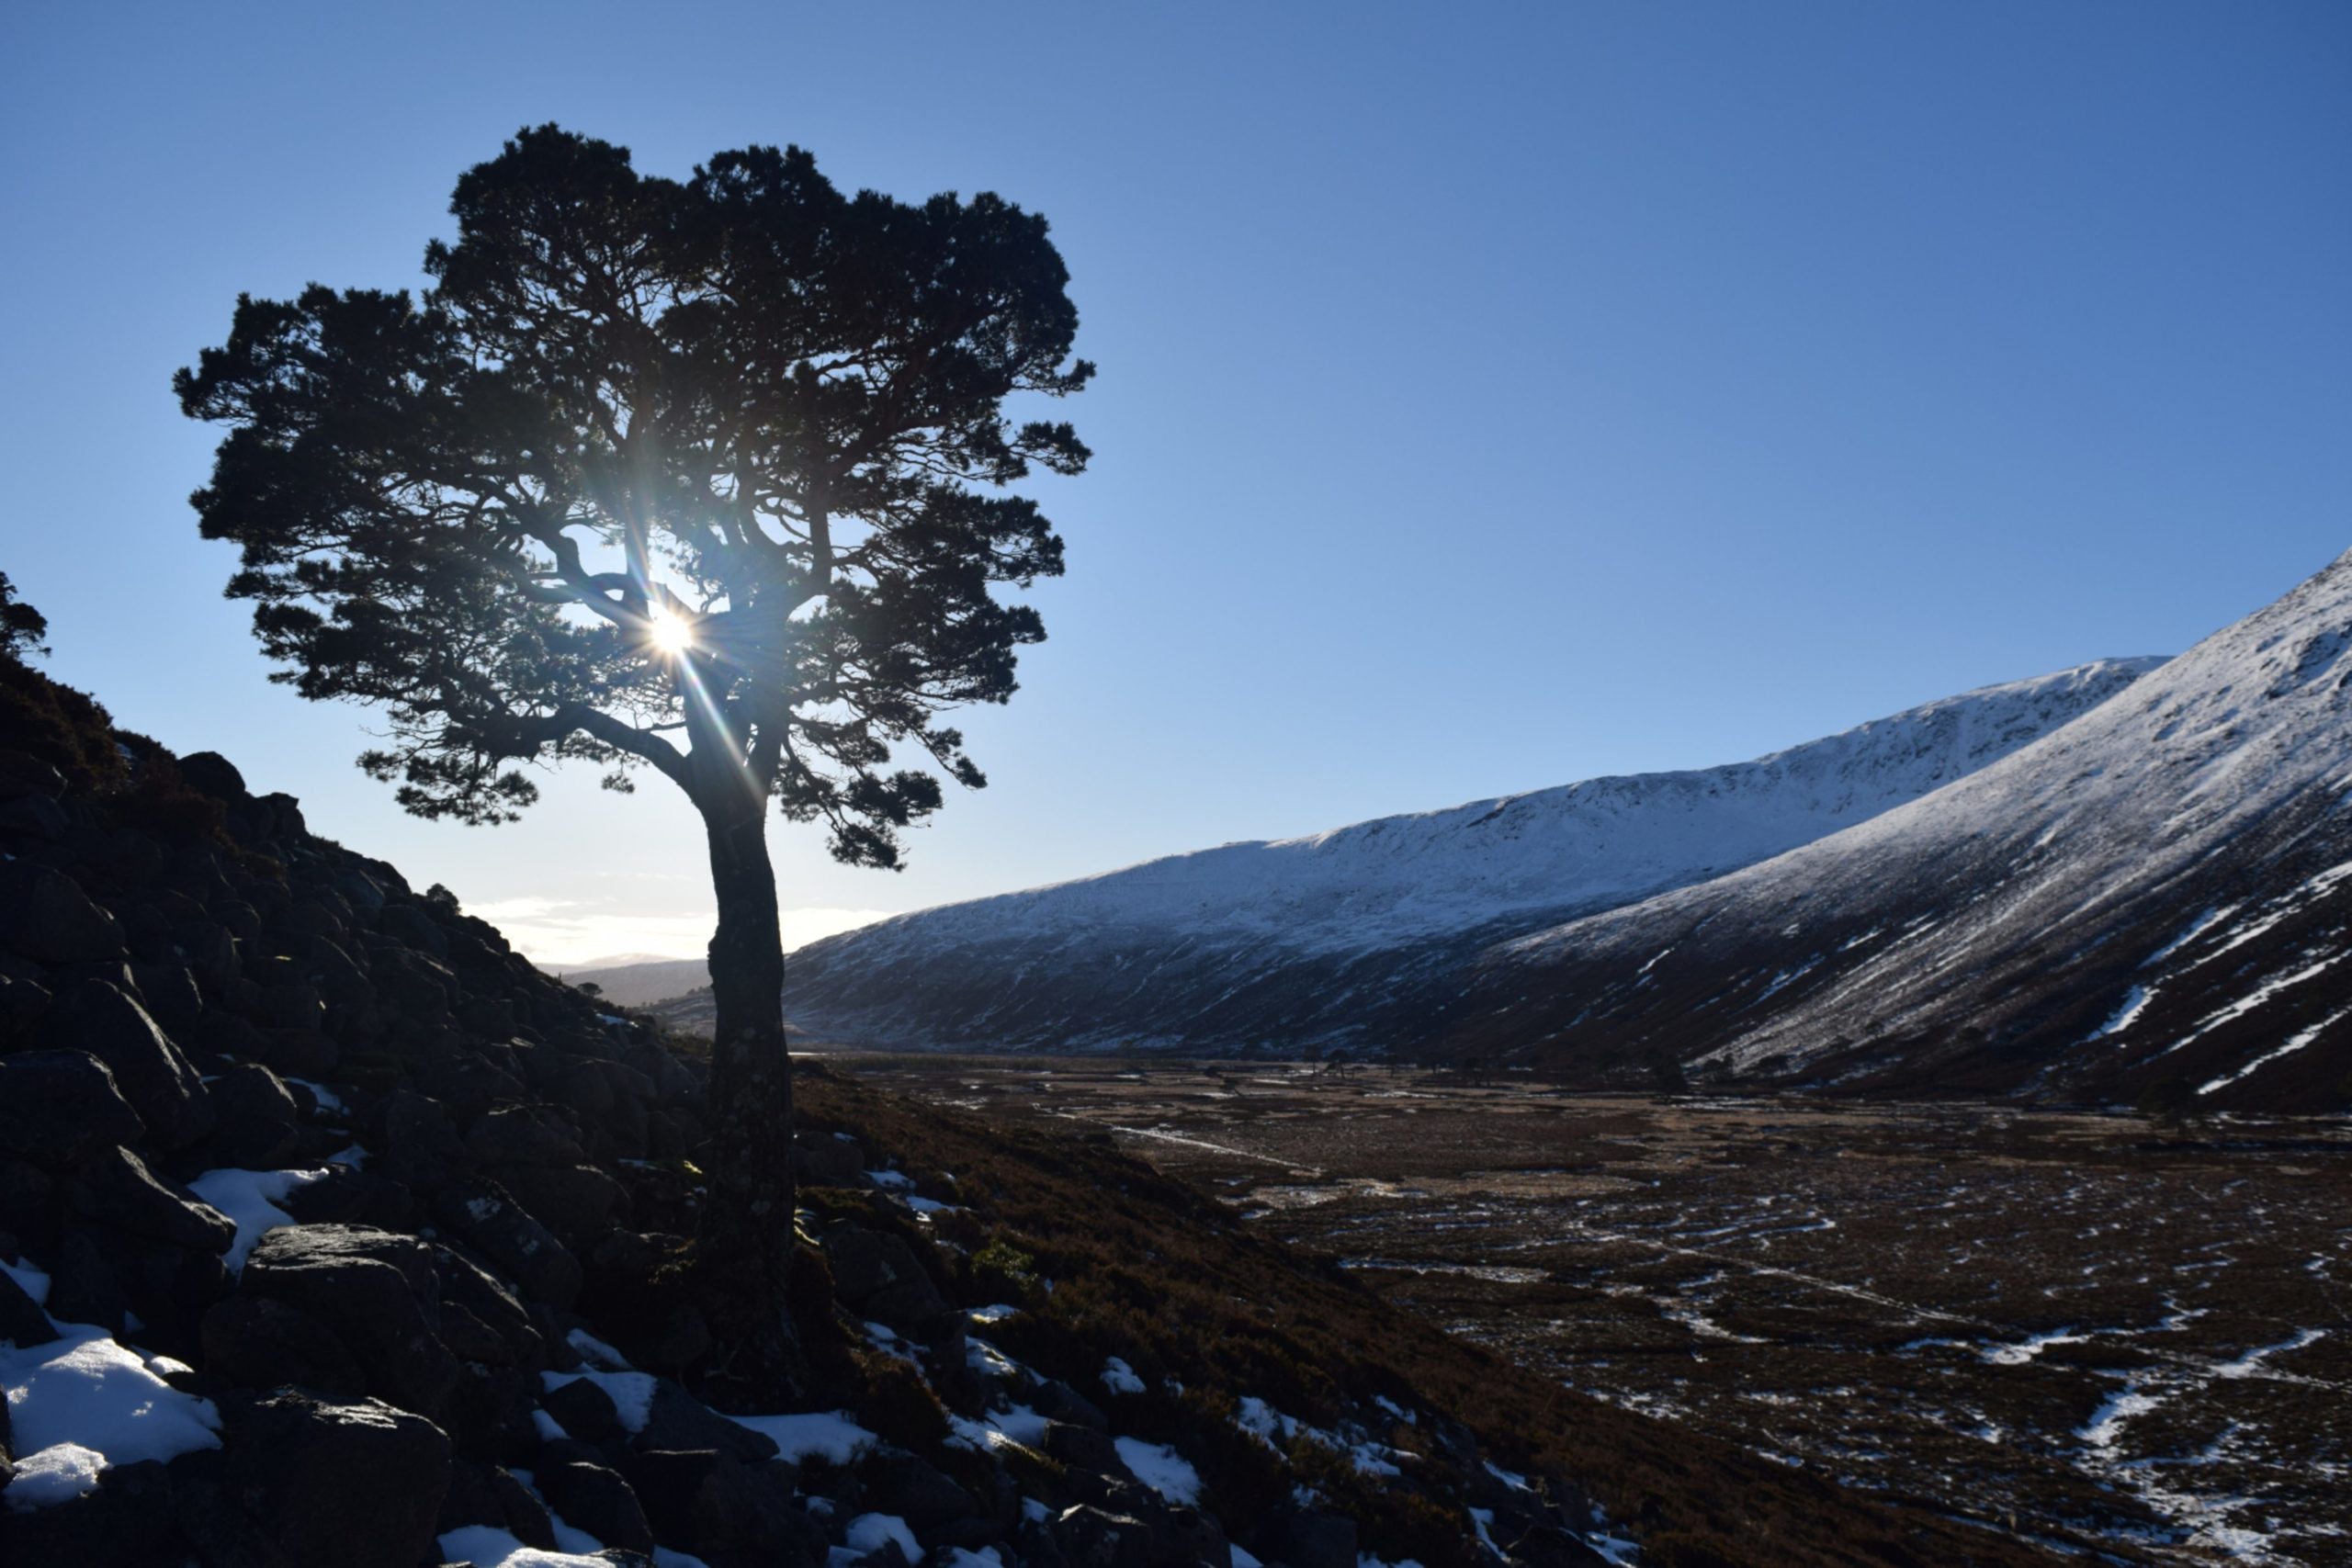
(669, 633)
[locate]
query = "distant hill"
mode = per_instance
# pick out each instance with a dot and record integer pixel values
(636, 979)
(1363, 936)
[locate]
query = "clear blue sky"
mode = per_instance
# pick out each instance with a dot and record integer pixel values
(1492, 396)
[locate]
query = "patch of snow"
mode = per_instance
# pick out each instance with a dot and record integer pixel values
(2189, 933)
(250, 1199)
(889, 1181)
(2292, 1046)
(1120, 1378)
(2135, 1002)
(2018, 1355)
(1509, 1477)
(2249, 1364)
(1162, 1469)
(58, 1473)
(29, 1279)
(329, 1102)
(868, 1531)
(828, 1435)
(996, 1313)
(98, 1401)
(486, 1545)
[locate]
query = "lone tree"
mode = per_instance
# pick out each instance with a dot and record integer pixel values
(705, 476)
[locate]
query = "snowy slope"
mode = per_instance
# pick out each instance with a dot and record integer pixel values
(2157, 889)
(1340, 936)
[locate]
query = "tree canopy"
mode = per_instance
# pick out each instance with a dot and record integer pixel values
(720, 458)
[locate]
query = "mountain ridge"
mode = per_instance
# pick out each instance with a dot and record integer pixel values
(2068, 902)
(1331, 938)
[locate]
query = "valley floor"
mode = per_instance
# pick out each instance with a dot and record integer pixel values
(2083, 1329)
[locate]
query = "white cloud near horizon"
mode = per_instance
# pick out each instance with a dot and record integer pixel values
(572, 934)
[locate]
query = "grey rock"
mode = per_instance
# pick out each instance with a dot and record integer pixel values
(56, 1106)
(357, 1484)
(379, 1294)
(523, 1249)
(594, 1498)
(1311, 1540)
(1093, 1538)
(116, 1187)
(45, 915)
(154, 1075)
(260, 1343)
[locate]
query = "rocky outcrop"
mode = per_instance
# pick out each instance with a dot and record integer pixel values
(399, 1230)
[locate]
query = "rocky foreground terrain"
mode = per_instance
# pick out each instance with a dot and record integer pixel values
(332, 1233)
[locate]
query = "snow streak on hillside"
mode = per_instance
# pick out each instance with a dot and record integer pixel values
(2152, 890)
(1340, 936)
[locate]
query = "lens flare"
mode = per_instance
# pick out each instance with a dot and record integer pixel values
(668, 633)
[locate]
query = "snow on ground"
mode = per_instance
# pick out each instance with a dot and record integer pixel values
(867, 1532)
(29, 1279)
(81, 1404)
(327, 1100)
(1162, 1469)
(828, 1435)
(250, 1200)
(1120, 1378)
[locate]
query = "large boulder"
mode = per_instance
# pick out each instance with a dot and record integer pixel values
(496, 1226)
(355, 1484)
(45, 915)
(720, 1509)
(576, 1202)
(117, 1188)
(56, 1106)
(680, 1422)
(594, 1498)
(487, 1494)
(208, 773)
(381, 1294)
(876, 1272)
(259, 1343)
(154, 1075)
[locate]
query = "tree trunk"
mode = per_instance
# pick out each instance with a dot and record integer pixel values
(747, 1229)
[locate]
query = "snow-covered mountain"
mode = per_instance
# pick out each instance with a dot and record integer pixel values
(2156, 890)
(1360, 936)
